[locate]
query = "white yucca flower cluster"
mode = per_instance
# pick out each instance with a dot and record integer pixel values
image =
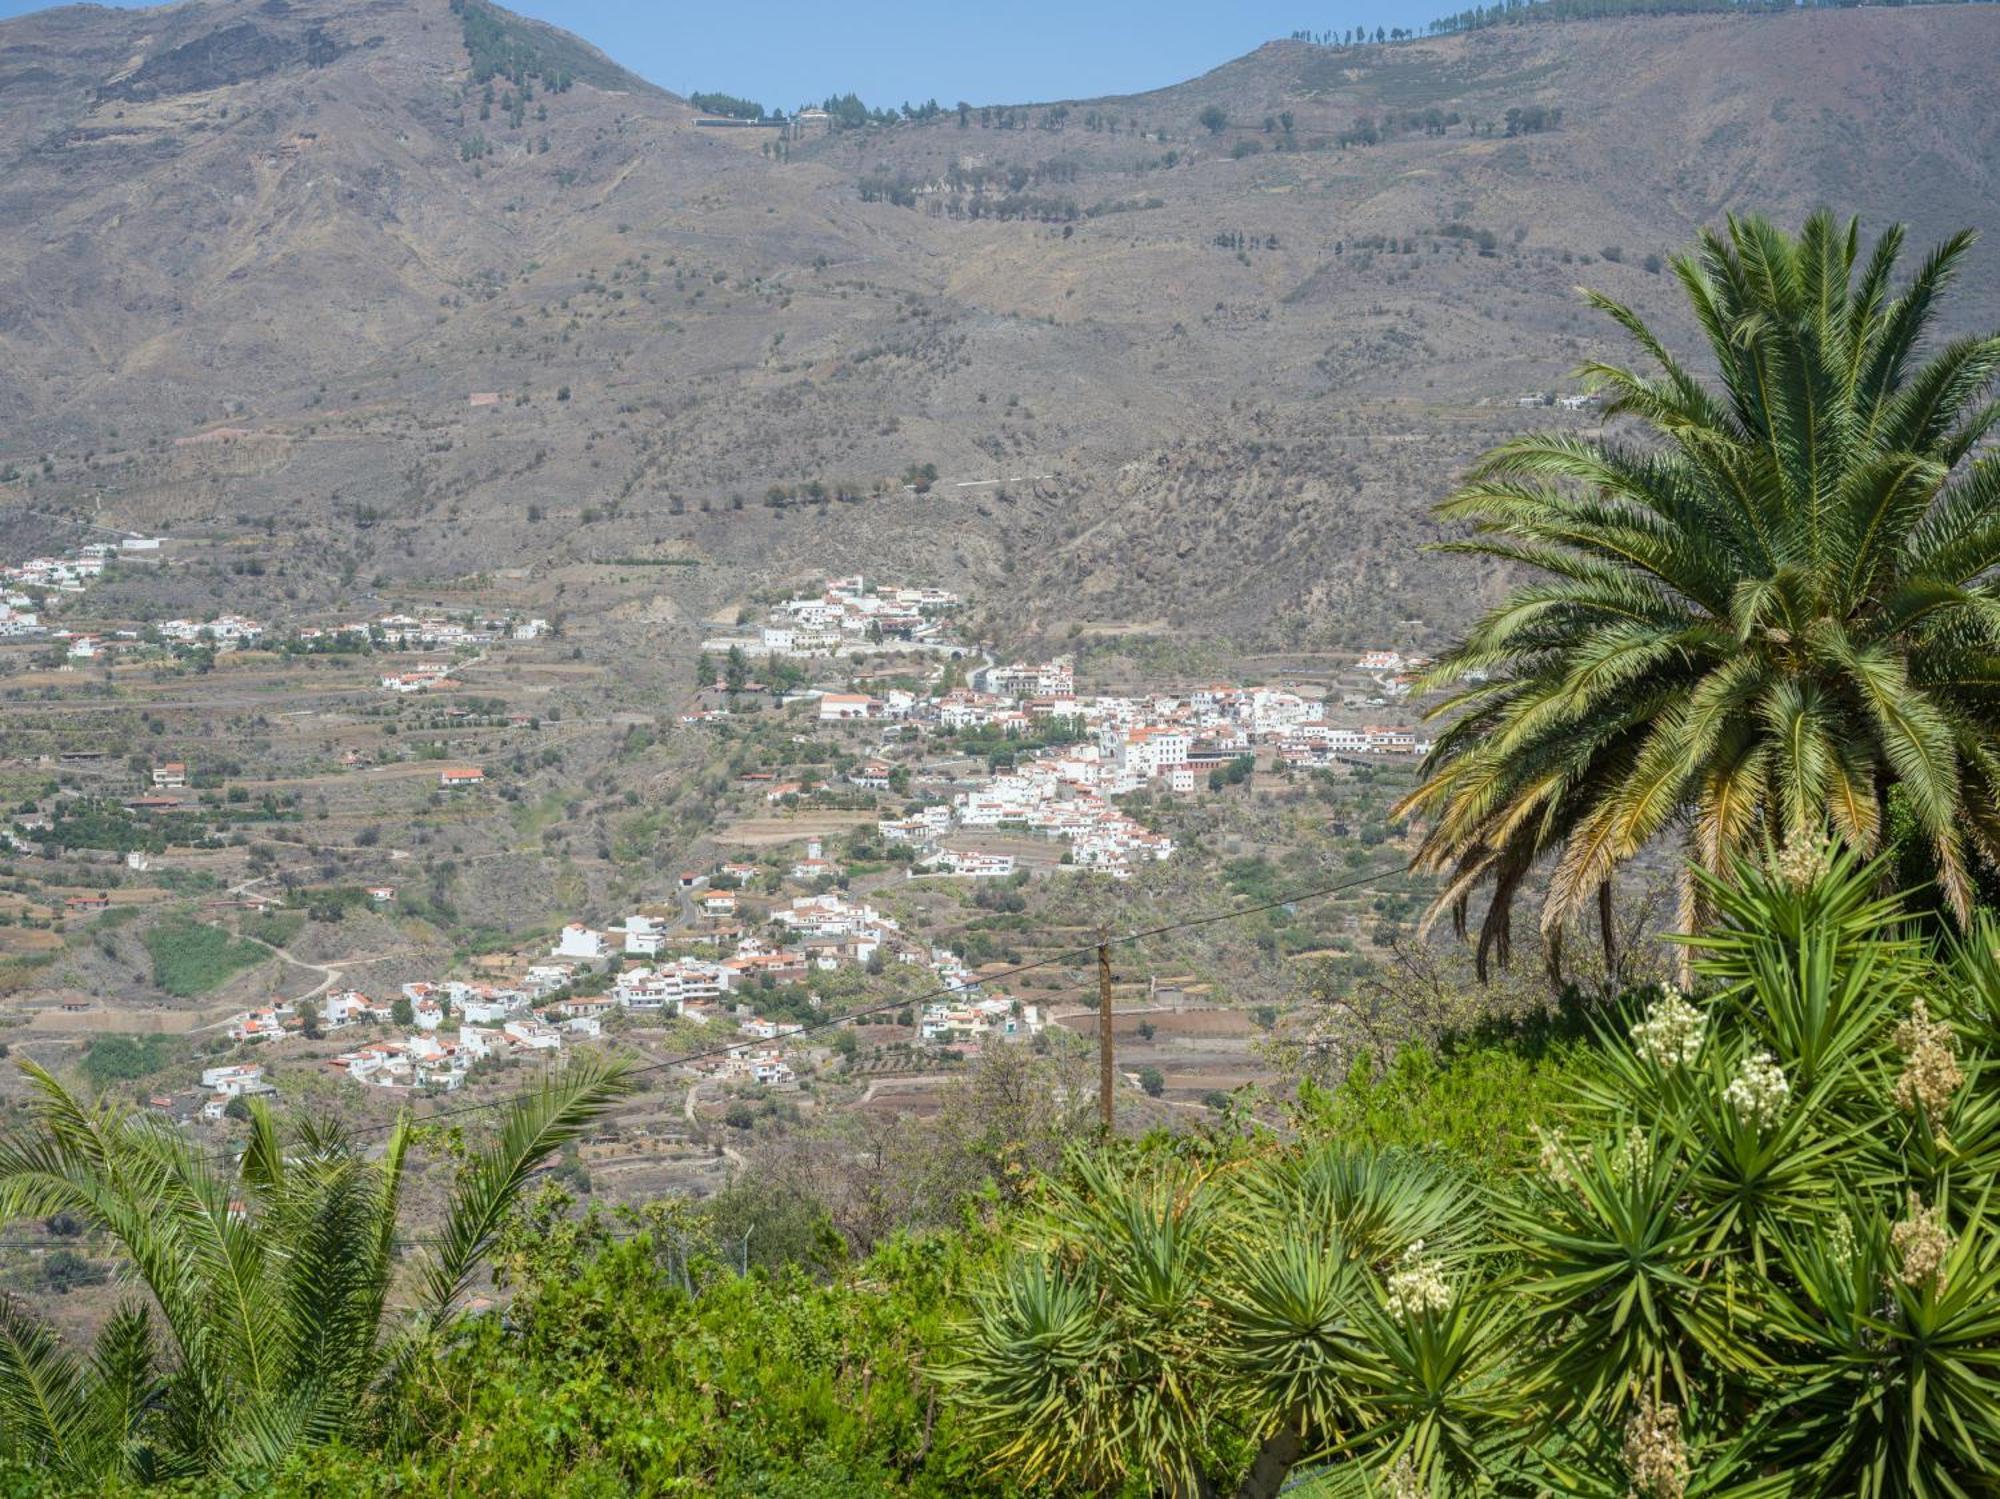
(1633, 1155)
(1922, 1243)
(1554, 1157)
(1655, 1459)
(1799, 864)
(1671, 1034)
(1416, 1286)
(1758, 1093)
(1931, 1073)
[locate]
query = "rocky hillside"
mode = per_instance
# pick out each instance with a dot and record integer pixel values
(429, 290)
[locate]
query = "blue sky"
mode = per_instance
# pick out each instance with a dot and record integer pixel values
(785, 52)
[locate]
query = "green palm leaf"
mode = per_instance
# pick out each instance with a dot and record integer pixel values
(1755, 617)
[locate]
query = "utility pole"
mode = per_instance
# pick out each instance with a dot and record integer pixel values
(1104, 1072)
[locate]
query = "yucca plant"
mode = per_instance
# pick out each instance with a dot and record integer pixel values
(1775, 1224)
(1772, 604)
(1763, 1260)
(1182, 1329)
(1894, 1384)
(258, 1317)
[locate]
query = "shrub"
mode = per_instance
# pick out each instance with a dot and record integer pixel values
(65, 1270)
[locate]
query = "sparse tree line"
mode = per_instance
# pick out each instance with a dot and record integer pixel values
(1522, 12)
(497, 50)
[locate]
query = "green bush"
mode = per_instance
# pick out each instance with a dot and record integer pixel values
(276, 928)
(642, 1364)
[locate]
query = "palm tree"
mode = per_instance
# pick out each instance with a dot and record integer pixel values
(257, 1320)
(1754, 620)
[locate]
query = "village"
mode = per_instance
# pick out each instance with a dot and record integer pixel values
(720, 962)
(884, 797)
(22, 609)
(849, 616)
(28, 590)
(1078, 756)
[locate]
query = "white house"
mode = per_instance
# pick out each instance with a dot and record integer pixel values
(847, 707)
(240, 1080)
(350, 1007)
(580, 942)
(532, 1035)
(644, 936)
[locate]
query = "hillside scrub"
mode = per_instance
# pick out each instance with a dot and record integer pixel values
(638, 1361)
(119, 1058)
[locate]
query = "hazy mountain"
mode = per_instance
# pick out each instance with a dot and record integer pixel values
(1247, 356)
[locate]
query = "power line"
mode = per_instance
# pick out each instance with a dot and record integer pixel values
(813, 1027)
(816, 1026)
(1071, 955)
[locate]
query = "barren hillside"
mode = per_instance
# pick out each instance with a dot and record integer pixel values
(1170, 373)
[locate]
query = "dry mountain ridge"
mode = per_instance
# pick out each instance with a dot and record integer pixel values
(1201, 378)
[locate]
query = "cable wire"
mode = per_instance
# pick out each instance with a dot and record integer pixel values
(816, 1026)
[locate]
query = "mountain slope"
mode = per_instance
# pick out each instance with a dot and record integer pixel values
(1169, 375)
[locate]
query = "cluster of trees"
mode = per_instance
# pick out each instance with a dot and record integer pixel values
(513, 104)
(849, 113)
(1353, 36)
(820, 492)
(1010, 177)
(499, 50)
(1532, 119)
(1518, 12)
(1485, 240)
(1006, 118)
(1235, 773)
(729, 105)
(898, 188)
(903, 190)
(1371, 130)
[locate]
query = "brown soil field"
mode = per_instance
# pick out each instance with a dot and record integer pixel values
(766, 832)
(1184, 1024)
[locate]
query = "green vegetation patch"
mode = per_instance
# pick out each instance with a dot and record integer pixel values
(276, 928)
(118, 1059)
(191, 957)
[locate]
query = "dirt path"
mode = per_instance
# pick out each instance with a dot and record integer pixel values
(329, 973)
